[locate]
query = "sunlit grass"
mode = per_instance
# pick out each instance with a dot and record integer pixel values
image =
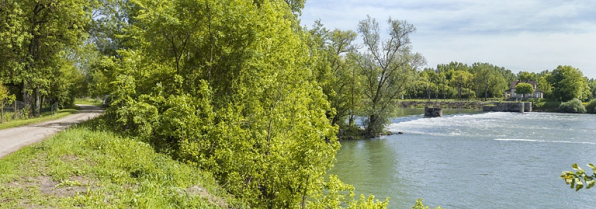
(88, 101)
(47, 116)
(81, 167)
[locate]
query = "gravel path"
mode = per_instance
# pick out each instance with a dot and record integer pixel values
(14, 139)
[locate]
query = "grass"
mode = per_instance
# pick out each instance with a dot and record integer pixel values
(546, 106)
(88, 101)
(82, 167)
(47, 116)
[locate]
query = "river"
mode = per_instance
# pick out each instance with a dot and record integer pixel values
(474, 160)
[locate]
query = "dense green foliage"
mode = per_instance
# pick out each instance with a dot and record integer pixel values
(336, 72)
(232, 91)
(524, 89)
(5, 98)
(460, 81)
(572, 106)
(568, 83)
(579, 178)
(82, 167)
(36, 40)
(591, 106)
(527, 76)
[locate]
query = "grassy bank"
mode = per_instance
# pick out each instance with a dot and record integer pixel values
(546, 106)
(442, 104)
(88, 101)
(47, 116)
(81, 167)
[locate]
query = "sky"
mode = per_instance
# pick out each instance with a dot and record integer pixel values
(520, 35)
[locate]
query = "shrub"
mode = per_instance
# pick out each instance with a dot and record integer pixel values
(572, 106)
(591, 106)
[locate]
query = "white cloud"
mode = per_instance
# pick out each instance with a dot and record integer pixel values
(519, 35)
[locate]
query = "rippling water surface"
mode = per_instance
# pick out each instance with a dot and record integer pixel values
(474, 160)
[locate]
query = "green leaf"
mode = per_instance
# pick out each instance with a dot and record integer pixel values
(578, 187)
(590, 183)
(575, 167)
(592, 166)
(568, 181)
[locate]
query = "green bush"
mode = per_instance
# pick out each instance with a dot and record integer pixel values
(591, 106)
(104, 170)
(572, 106)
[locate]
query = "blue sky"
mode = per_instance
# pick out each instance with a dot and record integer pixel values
(521, 35)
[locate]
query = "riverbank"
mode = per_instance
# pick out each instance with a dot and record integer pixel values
(537, 106)
(443, 104)
(83, 167)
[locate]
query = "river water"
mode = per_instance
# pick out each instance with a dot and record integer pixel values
(474, 160)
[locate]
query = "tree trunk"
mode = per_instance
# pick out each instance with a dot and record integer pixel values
(370, 132)
(35, 109)
(41, 104)
(459, 91)
(24, 91)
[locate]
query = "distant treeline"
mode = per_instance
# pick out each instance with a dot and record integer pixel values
(484, 81)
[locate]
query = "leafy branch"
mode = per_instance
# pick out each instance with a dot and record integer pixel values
(579, 178)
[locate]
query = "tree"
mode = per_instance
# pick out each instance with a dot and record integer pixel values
(388, 66)
(462, 80)
(40, 31)
(111, 26)
(336, 72)
(545, 86)
(592, 85)
(5, 98)
(568, 83)
(526, 76)
(524, 88)
(488, 80)
(230, 87)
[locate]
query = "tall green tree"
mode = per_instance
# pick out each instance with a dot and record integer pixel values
(40, 31)
(388, 66)
(336, 72)
(592, 85)
(543, 84)
(462, 80)
(110, 29)
(489, 80)
(524, 89)
(568, 83)
(527, 76)
(231, 87)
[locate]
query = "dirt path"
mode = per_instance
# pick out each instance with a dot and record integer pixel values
(14, 139)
